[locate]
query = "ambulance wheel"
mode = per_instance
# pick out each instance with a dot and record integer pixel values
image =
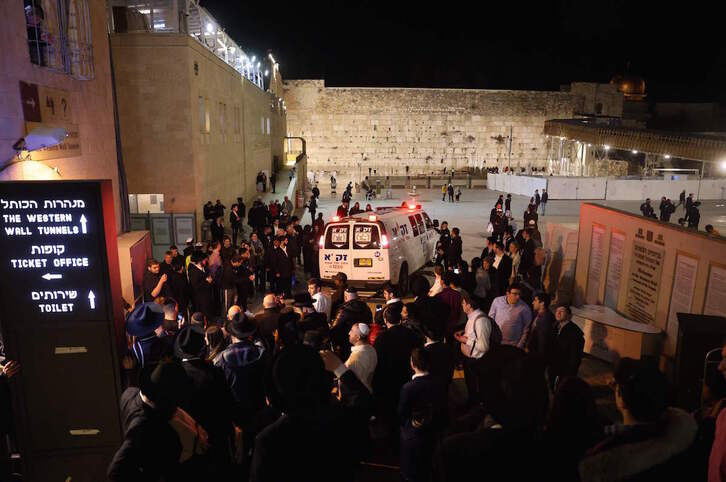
(403, 280)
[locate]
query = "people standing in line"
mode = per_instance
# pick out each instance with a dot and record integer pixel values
(512, 316)
(545, 198)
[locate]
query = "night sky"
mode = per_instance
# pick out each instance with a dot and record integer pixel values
(680, 50)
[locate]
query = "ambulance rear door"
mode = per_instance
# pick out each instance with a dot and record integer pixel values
(370, 261)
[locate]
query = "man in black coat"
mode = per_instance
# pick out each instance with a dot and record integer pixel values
(422, 416)
(393, 348)
(453, 253)
(441, 357)
(267, 320)
(569, 344)
(503, 265)
(208, 400)
(352, 311)
(393, 302)
(542, 334)
(151, 447)
(647, 210)
(201, 283)
(282, 268)
(154, 282)
(312, 419)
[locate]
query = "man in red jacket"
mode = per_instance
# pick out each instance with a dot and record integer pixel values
(452, 298)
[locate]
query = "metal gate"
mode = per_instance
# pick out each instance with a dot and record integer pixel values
(166, 229)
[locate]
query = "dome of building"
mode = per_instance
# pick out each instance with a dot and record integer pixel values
(631, 86)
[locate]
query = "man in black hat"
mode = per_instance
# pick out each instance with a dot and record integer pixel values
(200, 282)
(351, 312)
(243, 363)
(337, 298)
(209, 399)
(282, 268)
(309, 318)
(151, 448)
(143, 323)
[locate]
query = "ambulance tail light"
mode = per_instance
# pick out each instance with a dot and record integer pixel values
(384, 241)
(321, 242)
(336, 219)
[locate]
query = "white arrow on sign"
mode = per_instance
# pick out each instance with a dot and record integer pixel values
(83, 223)
(48, 276)
(92, 300)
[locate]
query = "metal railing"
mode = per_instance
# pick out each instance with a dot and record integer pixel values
(59, 36)
(186, 16)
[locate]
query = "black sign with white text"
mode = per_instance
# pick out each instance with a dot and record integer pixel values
(53, 262)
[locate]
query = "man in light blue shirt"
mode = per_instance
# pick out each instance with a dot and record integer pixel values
(512, 315)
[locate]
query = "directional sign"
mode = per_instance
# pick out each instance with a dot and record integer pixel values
(53, 263)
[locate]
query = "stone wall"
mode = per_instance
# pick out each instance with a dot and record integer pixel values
(91, 102)
(192, 127)
(387, 129)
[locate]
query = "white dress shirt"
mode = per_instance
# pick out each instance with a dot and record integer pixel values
(363, 360)
(497, 260)
(477, 331)
(322, 304)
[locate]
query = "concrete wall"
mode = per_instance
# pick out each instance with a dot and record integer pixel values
(91, 102)
(192, 127)
(425, 129)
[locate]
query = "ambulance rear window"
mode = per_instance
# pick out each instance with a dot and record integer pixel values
(336, 237)
(365, 236)
(414, 225)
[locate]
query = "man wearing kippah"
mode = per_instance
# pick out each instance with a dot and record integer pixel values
(363, 358)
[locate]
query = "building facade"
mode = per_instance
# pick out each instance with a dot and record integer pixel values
(55, 72)
(192, 128)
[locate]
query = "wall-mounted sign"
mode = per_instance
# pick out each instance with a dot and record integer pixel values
(53, 252)
(684, 286)
(715, 303)
(643, 283)
(615, 269)
(594, 273)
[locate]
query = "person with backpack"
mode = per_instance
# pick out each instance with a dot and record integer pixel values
(477, 339)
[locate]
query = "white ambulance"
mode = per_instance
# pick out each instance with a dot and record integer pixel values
(374, 247)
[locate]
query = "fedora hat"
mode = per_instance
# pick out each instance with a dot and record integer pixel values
(240, 326)
(144, 319)
(190, 343)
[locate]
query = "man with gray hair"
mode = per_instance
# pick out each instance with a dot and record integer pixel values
(363, 358)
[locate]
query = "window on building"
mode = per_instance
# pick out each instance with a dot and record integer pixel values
(262, 124)
(268, 126)
(222, 114)
(59, 36)
(202, 121)
(207, 120)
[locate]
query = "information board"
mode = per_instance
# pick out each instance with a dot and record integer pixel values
(615, 269)
(53, 252)
(644, 282)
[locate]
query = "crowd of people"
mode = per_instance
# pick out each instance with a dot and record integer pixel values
(691, 213)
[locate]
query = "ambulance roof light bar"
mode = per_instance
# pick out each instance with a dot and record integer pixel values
(372, 217)
(336, 219)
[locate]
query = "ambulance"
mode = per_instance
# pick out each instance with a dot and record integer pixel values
(374, 247)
